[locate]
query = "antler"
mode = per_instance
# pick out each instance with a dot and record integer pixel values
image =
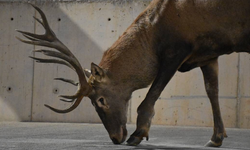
(50, 40)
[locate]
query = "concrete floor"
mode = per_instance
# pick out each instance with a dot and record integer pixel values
(75, 136)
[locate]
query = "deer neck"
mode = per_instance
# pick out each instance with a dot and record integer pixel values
(132, 60)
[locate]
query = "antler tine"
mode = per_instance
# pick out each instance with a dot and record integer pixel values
(39, 20)
(68, 101)
(72, 107)
(50, 34)
(40, 60)
(45, 23)
(65, 56)
(68, 81)
(67, 60)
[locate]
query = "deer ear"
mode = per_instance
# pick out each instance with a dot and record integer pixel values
(97, 72)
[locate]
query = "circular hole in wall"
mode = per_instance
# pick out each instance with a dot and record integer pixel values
(9, 89)
(55, 90)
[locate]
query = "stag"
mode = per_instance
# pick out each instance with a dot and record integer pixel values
(168, 36)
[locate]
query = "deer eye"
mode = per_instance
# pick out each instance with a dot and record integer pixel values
(101, 100)
(102, 103)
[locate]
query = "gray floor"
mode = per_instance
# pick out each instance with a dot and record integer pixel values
(70, 136)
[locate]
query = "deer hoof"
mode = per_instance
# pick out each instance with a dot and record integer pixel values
(213, 144)
(133, 141)
(137, 137)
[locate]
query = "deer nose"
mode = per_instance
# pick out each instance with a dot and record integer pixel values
(115, 140)
(119, 138)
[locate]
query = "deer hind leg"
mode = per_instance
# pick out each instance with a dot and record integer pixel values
(210, 73)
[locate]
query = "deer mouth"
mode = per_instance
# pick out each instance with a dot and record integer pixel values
(119, 137)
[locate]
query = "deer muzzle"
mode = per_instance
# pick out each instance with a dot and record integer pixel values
(119, 137)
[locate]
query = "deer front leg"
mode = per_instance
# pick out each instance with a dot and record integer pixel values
(146, 109)
(210, 73)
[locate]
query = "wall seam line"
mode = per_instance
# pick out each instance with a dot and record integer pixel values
(238, 98)
(32, 95)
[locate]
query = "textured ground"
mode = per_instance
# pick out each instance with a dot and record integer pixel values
(71, 136)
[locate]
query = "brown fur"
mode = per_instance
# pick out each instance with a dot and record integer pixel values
(169, 36)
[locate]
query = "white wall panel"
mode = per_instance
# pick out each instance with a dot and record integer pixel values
(88, 28)
(16, 70)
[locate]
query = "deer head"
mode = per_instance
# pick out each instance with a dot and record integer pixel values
(110, 103)
(100, 87)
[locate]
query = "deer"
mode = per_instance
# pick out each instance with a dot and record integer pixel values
(168, 36)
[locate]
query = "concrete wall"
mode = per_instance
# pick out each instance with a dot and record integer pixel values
(88, 28)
